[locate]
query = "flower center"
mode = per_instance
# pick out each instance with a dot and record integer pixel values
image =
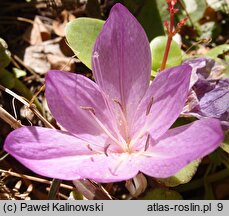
(122, 122)
(92, 112)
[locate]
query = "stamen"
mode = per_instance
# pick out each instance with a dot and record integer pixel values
(89, 147)
(113, 116)
(119, 103)
(126, 130)
(151, 154)
(147, 142)
(98, 151)
(106, 148)
(99, 79)
(146, 154)
(88, 109)
(149, 105)
(91, 110)
(143, 130)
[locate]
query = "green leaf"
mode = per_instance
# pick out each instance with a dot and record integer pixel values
(195, 8)
(18, 72)
(76, 195)
(183, 176)
(208, 194)
(81, 35)
(153, 73)
(227, 58)
(54, 189)
(218, 50)
(162, 194)
(163, 10)
(225, 144)
(209, 30)
(157, 46)
(5, 56)
(7, 79)
(218, 5)
(183, 121)
(147, 13)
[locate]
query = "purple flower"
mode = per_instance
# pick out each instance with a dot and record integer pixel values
(119, 125)
(209, 96)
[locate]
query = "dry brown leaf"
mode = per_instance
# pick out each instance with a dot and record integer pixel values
(60, 24)
(38, 33)
(60, 62)
(47, 55)
(58, 3)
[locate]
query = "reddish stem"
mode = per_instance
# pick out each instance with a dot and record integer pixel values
(171, 22)
(166, 53)
(168, 44)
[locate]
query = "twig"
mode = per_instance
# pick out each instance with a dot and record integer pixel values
(3, 157)
(27, 104)
(36, 179)
(204, 40)
(55, 183)
(22, 19)
(42, 88)
(15, 63)
(9, 119)
(91, 191)
(16, 58)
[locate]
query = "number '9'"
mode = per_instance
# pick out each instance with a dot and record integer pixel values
(220, 206)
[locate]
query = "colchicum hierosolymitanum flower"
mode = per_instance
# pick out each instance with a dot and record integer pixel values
(119, 125)
(209, 95)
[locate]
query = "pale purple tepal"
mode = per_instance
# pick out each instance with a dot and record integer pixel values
(118, 126)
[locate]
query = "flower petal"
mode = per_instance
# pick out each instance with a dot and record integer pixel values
(163, 101)
(179, 146)
(71, 99)
(216, 102)
(57, 154)
(121, 60)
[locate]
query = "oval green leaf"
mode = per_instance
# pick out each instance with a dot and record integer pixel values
(162, 194)
(183, 176)
(81, 35)
(157, 46)
(219, 5)
(218, 50)
(195, 8)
